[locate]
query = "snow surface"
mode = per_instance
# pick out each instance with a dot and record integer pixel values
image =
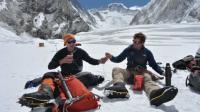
(22, 60)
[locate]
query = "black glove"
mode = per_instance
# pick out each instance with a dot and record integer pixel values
(33, 83)
(28, 84)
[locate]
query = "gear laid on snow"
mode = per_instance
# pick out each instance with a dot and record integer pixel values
(76, 98)
(34, 99)
(160, 96)
(192, 64)
(193, 80)
(41, 97)
(118, 90)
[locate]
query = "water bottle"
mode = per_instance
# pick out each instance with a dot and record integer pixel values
(168, 75)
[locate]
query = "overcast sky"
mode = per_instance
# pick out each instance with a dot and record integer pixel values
(89, 4)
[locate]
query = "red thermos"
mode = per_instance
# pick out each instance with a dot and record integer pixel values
(138, 82)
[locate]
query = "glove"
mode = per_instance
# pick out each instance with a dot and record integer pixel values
(29, 84)
(33, 83)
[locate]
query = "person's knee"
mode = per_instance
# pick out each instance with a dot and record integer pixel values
(147, 77)
(50, 75)
(116, 70)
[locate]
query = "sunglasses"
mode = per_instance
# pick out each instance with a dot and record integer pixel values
(72, 41)
(136, 42)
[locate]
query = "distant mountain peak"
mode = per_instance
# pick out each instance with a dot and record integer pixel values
(116, 6)
(115, 15)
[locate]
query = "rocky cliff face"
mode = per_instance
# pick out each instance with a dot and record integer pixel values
(45, 18)
(168, 11)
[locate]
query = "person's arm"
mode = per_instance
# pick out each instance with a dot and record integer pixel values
(120, 57)
(153, 63)
(58, 58)
(89, 59)
(54, 63)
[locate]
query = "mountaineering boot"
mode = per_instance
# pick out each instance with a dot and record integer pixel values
(99, 79)
(38, 98)
(118, 90)
(160, 96)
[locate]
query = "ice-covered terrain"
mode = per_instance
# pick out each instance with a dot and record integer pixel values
(22, 60)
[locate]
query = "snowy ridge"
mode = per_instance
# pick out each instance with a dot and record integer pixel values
(83, 13)
(9, 36)
(119, 7)
(168, 11)
(135, 8)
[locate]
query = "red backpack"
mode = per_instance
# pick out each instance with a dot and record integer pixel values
(87, 99)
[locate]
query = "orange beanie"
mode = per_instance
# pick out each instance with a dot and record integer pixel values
(67, 37)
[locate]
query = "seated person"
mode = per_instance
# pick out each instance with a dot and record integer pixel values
(138, 56)
(70, 59)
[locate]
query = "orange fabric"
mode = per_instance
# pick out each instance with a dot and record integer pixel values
(77, 89)
(49, 82)
(67, 37)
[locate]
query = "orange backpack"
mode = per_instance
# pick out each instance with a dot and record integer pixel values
(87, 99)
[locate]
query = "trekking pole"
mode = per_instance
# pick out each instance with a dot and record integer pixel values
(168, 75)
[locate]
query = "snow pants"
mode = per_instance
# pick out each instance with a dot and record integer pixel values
(87, 78)
(123, 75)
(48, 81)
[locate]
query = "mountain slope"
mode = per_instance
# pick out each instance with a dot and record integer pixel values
(168, 11)
(45, 18)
